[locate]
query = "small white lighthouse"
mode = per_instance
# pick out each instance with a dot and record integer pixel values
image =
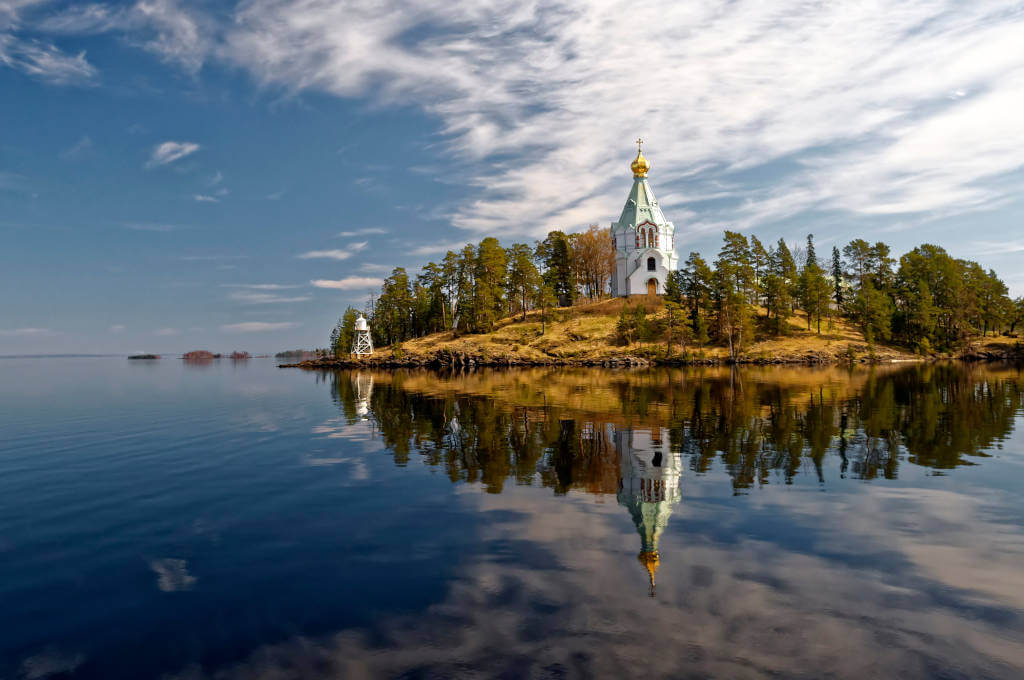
(362, 343)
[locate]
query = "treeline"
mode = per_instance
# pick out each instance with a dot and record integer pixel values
(470, 290)
(926, 300)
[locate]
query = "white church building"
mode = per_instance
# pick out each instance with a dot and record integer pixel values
(643, 239)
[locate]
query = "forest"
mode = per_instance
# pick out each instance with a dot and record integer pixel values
(926, 300)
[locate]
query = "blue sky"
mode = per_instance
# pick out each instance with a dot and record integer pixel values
(184, 174)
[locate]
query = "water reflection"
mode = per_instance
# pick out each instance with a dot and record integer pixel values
(631, 433)
(550, 425)
(648, 488)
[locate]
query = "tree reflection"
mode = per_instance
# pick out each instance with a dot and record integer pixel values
(556, 428)
(631, 433)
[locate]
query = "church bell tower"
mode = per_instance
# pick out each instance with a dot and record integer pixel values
(644, 241)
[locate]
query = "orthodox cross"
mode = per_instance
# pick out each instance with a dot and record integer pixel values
(639, 143)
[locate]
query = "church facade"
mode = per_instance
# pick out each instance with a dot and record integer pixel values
(644, 241)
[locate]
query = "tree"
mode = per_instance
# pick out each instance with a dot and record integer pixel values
(732, 284)
(813, 288)
(872, 310)
(489, 284)
(837, 278)
(778, 287)
(593, 260)
(523, 277)
(696, 280)
(994, 302)
(393, 312)
(465, 282)
(546, 299)
(676, 328)
(555, 255)
(674, 287)
(760, 260)
(1016, 314)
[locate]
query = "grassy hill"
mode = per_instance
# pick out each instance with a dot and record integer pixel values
(586, 334)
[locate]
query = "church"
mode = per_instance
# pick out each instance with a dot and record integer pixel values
(644, 241)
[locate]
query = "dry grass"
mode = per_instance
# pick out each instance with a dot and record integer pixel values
(587, 331)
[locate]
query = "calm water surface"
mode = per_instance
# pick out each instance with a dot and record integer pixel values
(236, 520)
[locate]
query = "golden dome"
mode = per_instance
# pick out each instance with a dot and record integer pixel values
(639, 166)
(651, 561)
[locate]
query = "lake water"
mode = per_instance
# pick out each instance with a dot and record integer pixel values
(236, 520)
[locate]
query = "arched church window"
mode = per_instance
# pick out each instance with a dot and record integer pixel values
(643, 238)
(650, 237)
(637, 239)
(651, 264)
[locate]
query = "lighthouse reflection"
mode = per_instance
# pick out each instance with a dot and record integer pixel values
(648, 488)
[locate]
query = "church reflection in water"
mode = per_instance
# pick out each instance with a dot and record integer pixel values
(629, 434)
(648, 487)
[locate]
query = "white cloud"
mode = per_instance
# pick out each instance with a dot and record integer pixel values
(438, 248)
(164, 332)
(257, 326)
(117, 328)
(542, 98)
(363, 232)
(256, 298)
(348, 283)
(348, 252)
(26, 332)
(259, 286)
(163, 27)
(45, 61)
(168, 152)
(204, 198)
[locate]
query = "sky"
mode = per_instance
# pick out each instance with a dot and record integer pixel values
(190, 174)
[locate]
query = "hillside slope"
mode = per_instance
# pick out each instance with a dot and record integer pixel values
(586, 334)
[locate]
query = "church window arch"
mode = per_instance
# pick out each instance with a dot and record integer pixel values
(650, 237)
(651, 264)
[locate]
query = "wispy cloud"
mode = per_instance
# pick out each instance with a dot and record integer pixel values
(259, 286)
(376, 267)
(257, 326)
(348, 252)
(117, 328)
(205, 198)
(348, 283)
(168, 152)
(166, 331)
(906, 111)
(166, 28)
(26, 332)
(78, 149)
(363, 232)
(257, 298)
(438, 248)
(37, 58)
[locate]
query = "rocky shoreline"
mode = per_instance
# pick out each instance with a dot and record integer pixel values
(446, 359)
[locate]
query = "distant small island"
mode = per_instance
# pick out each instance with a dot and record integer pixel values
(144, 356)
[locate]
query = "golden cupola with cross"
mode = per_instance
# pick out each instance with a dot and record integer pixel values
(644, 241)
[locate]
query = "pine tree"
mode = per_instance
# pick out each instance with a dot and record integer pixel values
(837, 278)
(489, 280)
(523, 277)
